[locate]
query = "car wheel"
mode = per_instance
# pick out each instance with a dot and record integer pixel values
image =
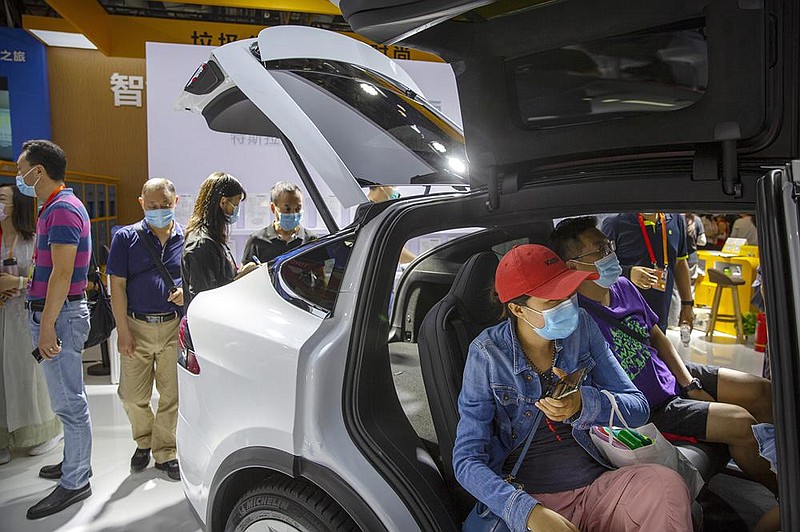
(288, 505)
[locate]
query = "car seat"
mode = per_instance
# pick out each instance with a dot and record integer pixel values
(445, 334)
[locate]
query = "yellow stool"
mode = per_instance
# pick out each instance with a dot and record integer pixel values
(725, 281)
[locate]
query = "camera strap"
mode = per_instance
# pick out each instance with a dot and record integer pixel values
(151, 248)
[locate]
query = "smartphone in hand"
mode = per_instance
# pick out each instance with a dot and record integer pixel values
(567, 385)
(37, 355)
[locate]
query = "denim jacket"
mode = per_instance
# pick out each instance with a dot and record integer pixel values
(496, 405)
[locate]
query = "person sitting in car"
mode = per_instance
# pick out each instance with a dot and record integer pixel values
(704, 402)
(564, 483)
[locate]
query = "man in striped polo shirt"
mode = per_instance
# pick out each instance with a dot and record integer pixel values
(59, 316)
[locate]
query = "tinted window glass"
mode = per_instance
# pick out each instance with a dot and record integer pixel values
(651, 71)
(311, 280)
(385, 122)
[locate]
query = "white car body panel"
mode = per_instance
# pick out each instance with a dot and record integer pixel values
(247, 334)
(320, 433)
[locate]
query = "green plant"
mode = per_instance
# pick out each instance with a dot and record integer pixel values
(749, 323)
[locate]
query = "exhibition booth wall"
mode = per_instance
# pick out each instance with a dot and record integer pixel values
(98, 136)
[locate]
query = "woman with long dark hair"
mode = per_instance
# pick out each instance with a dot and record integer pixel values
(207, 261)
(26, 419)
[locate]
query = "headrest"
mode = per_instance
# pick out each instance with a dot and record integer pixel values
(474, 287)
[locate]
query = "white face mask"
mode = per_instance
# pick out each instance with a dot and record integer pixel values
(3, 213)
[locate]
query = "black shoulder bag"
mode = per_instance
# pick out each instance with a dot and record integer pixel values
(101, 318)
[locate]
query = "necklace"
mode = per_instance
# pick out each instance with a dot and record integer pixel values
(552, 363)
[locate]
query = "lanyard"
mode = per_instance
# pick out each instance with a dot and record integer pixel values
(647, 243)
(13, 244)
(53, 196)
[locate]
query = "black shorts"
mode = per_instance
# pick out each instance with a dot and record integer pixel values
(687, 417)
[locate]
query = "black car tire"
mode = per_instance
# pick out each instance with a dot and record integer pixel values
(295, 502)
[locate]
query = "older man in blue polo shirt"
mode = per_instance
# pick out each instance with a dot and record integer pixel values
(147, 298)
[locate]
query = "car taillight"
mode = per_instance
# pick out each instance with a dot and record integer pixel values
(205, 79)
(186, 357)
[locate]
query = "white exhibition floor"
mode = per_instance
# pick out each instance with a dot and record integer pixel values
(121, 501)
(151, 502)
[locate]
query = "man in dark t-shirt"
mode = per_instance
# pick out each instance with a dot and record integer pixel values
(285, 232)
(705, 402)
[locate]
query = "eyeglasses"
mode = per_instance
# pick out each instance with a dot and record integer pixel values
(607, 248)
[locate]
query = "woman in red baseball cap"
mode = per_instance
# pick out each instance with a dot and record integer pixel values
(536, 379)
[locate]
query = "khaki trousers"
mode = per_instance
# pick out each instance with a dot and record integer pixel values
(155, 358)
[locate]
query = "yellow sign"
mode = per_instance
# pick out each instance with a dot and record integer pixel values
(126, 36)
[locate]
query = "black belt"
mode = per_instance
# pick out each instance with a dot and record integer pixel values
(153, 318)
(37, 305)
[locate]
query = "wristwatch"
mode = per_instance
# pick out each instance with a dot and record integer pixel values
(694, 384)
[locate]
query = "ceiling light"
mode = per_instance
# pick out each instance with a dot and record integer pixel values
(64, 39)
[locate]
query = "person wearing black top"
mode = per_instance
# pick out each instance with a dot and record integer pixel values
(285, 232)
(207, 261)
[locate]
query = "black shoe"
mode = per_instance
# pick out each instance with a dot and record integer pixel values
(58, 500)
(140, 459)
(172, 469)
(53, 472)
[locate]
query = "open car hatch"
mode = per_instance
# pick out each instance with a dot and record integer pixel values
(352, 114)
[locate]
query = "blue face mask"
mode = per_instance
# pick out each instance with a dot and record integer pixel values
(233, 217)
(559, 321)
(394, 195)
(609, 270)
(289, 221)
(159, 218)
(27, 190)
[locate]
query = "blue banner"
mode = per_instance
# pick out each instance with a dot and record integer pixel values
(24, 91)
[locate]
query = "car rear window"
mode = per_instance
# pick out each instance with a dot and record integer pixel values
(385, 122)
(655, 70)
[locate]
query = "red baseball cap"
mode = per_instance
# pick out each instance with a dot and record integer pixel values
(533, 270)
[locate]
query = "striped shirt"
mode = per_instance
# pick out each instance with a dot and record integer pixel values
(62, 221)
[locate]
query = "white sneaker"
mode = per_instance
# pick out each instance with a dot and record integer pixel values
(46, 447)
(5, 456)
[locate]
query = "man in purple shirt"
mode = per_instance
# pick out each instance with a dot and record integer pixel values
(59, 316)
(705, 402)
(147, 299)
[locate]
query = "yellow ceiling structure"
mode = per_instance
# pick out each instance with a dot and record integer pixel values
(323, 7)
(125, 36)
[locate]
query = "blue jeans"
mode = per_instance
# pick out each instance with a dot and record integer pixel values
(64, 375)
